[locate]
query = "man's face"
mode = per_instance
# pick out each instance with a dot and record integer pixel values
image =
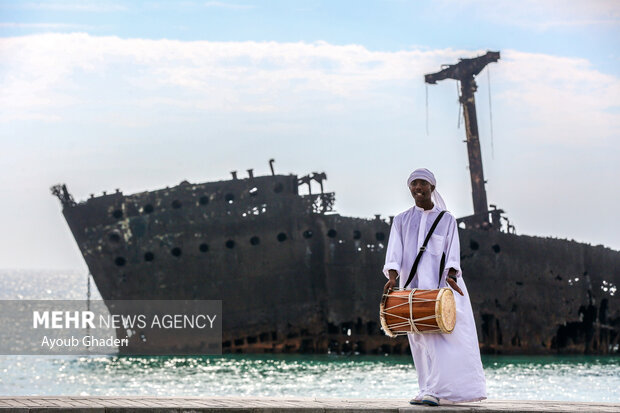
(421, 190)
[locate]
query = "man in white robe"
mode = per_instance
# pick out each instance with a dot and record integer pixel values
(448, 365)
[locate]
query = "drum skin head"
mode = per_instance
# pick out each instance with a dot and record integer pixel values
(446, 309)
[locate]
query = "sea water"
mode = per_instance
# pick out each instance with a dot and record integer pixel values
(537, 378)
(569, 378)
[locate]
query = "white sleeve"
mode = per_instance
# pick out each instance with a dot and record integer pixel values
(394, 254)
(452, 249)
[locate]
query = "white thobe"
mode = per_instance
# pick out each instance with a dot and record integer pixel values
(448, 365)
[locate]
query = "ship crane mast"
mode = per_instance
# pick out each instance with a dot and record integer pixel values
(464, 72)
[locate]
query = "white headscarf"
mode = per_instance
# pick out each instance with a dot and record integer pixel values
(428, 176)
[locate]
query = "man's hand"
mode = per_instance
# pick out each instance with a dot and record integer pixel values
(389, 286)
(391, 282)
(454, 286)
(452, 283)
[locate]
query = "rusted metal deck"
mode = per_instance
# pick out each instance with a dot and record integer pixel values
(143, 404)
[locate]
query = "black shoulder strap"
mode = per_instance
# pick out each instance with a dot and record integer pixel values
(442, 266)
(414, 269)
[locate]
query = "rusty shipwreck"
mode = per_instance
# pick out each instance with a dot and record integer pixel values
(294, 276)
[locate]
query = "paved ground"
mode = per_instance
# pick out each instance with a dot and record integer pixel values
(268, 405)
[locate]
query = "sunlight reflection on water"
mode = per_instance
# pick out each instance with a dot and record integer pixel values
(584, 378)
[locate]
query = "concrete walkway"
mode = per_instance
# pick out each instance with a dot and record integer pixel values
(259, 405)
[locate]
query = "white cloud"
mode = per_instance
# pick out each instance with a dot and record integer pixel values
(541, 15)
(45, 26)
(564, 98)
(41, 70)
(44, 76)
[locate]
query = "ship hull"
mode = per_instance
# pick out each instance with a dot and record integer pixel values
(292, 279)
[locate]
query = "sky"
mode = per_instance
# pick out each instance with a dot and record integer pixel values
(142, 95)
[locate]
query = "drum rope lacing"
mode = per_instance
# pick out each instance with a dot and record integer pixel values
(410, 321)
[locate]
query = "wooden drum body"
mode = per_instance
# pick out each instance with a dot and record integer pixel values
(418, 311)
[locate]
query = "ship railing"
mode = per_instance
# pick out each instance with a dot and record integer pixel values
(62, 193)
(491, 220)
(319, 203)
